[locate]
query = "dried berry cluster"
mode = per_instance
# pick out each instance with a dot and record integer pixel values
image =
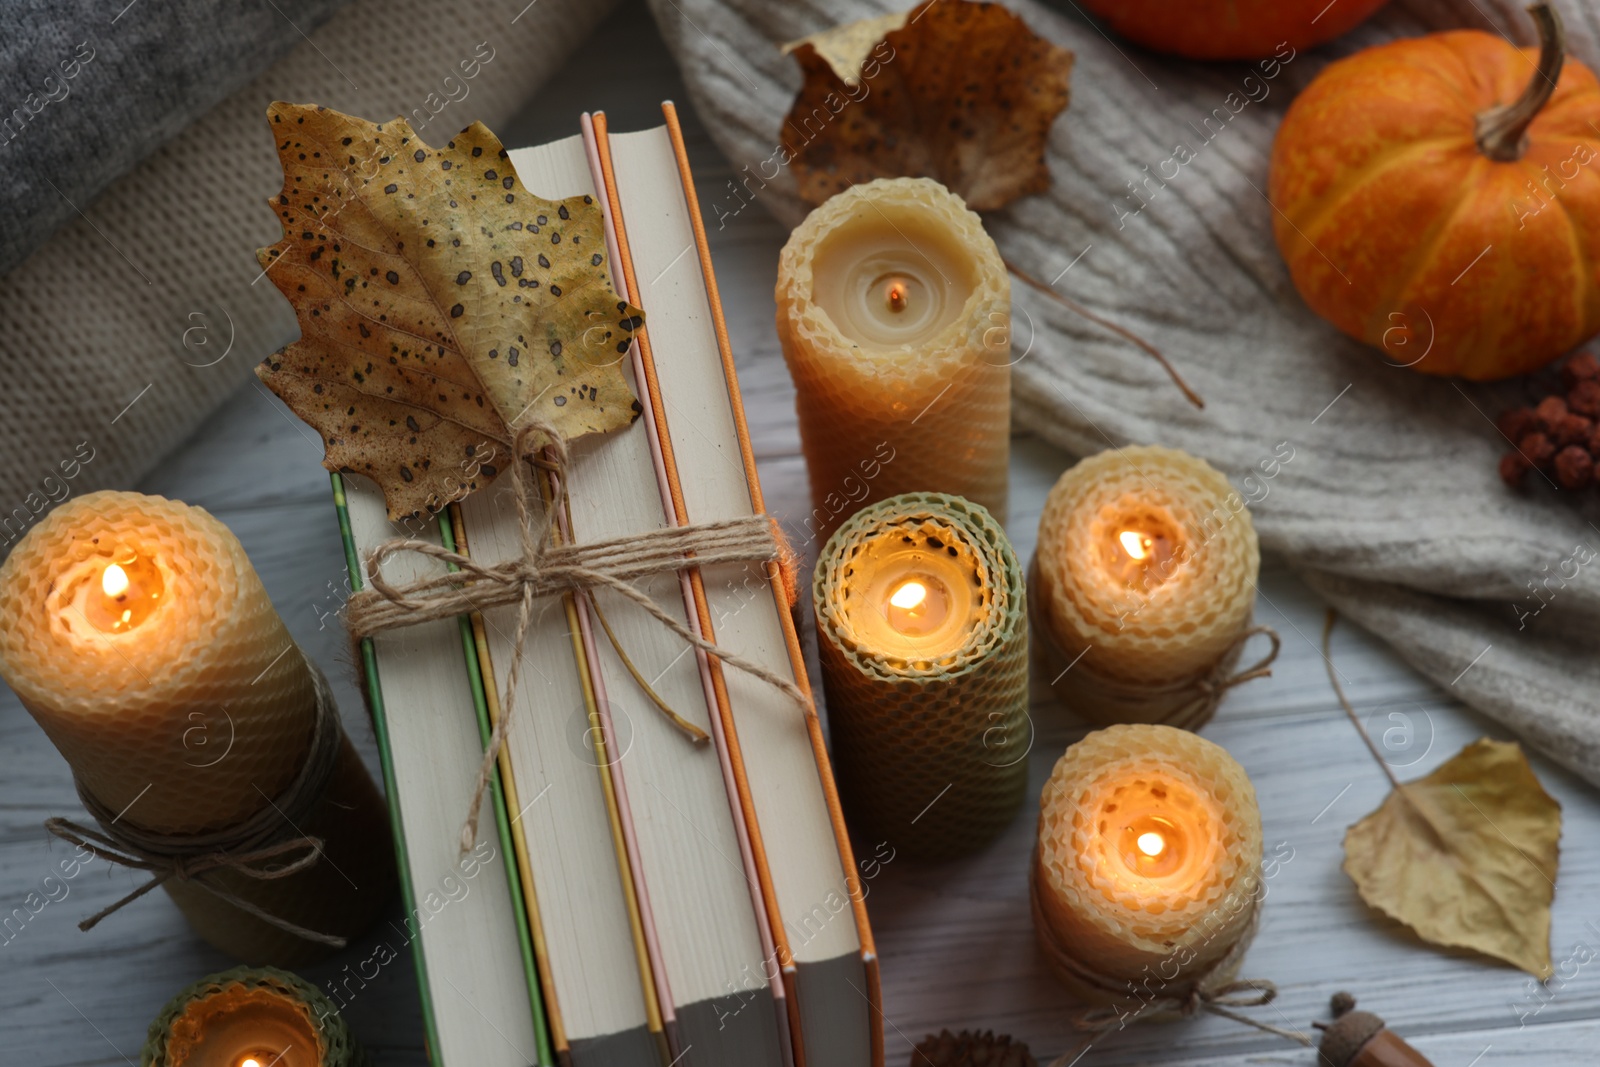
(1561, 434)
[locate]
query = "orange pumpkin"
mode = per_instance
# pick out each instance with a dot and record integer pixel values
(1230, 29)
(1434, 201)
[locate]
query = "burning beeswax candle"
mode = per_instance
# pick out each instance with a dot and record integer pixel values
(1142, 587)
(251, 1017)
(894, 313)
(1147, 864)
(136, 632)
(923, 636)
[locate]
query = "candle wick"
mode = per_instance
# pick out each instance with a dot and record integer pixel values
(898, 296)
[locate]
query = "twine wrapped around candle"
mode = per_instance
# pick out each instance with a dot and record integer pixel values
(1146, 880)
(1142, 588)
(547, 568)
(1188, 702)
(136, 632)
(279, 1002)
(1212, 989)
(248, 848)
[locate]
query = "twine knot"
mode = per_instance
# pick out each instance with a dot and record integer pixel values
(1187, 703)
(1240, 993)
(1208, 990)
(548, 566)
(254, 848)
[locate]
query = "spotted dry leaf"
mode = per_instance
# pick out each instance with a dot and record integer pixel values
(961, 92)
(441, 305)
(1467, 856)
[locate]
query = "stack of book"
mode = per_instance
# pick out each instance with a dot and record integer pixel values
(636, 899)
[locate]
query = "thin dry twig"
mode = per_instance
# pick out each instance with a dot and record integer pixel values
(1121, 331)
(1344, 702)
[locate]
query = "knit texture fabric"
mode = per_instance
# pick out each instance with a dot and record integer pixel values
(89, 89)
(140, 315)
(1391, 506)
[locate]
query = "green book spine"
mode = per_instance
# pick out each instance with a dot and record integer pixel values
(369, 664)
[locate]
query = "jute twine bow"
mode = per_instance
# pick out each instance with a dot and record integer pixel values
(1210, 990)
(255, 848)
(1187, 703)
(548, 567)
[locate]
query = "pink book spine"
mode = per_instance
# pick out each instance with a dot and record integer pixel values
(692, 614)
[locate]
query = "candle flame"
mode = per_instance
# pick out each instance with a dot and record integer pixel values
(898, 294)
(1152, 843)
(909, 595)
(1135, 544)
(114, 581)
(249, 1061)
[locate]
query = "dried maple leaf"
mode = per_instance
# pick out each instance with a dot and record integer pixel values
(952, 90)
(440, 303)
(1467, 856)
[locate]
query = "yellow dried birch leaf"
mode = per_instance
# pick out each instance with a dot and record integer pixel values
(441, 305)
(1467, 856)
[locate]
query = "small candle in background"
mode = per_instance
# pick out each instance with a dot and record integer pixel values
(251, 1017)
(1148, 861)
(922, 633)
(894, 314)
(1143, 584)
(138, 635)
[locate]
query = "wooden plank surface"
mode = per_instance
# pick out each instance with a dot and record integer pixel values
(955, 938)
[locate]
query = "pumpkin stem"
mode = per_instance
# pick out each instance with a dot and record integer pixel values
(1502, 132)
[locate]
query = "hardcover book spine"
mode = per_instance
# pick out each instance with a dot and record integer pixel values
(739, 786)
(594, 130)
(777, 583)
(392, 788)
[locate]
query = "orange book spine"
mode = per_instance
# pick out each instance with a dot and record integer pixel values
(722, 729)
(791, 638)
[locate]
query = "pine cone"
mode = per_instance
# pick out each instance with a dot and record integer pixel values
(969, 1049)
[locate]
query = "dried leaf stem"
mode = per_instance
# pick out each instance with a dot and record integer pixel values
(1344, 702)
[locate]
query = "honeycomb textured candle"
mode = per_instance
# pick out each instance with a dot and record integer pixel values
(930, 733)
(894, 316)
(277, 1017)
(1103, 897)
(194, 711)
(1170, 614)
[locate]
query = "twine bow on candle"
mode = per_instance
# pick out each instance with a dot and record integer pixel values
(1187, 703)
(549, 567)
(1210, 990)
(255, 848)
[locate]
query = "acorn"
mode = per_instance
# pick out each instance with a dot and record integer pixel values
(1360, 1039)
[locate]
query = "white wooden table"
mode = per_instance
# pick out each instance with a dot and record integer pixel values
(955, 938)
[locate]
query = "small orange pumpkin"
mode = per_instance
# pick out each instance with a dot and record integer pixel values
(1432, 200)
(1230, 29)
